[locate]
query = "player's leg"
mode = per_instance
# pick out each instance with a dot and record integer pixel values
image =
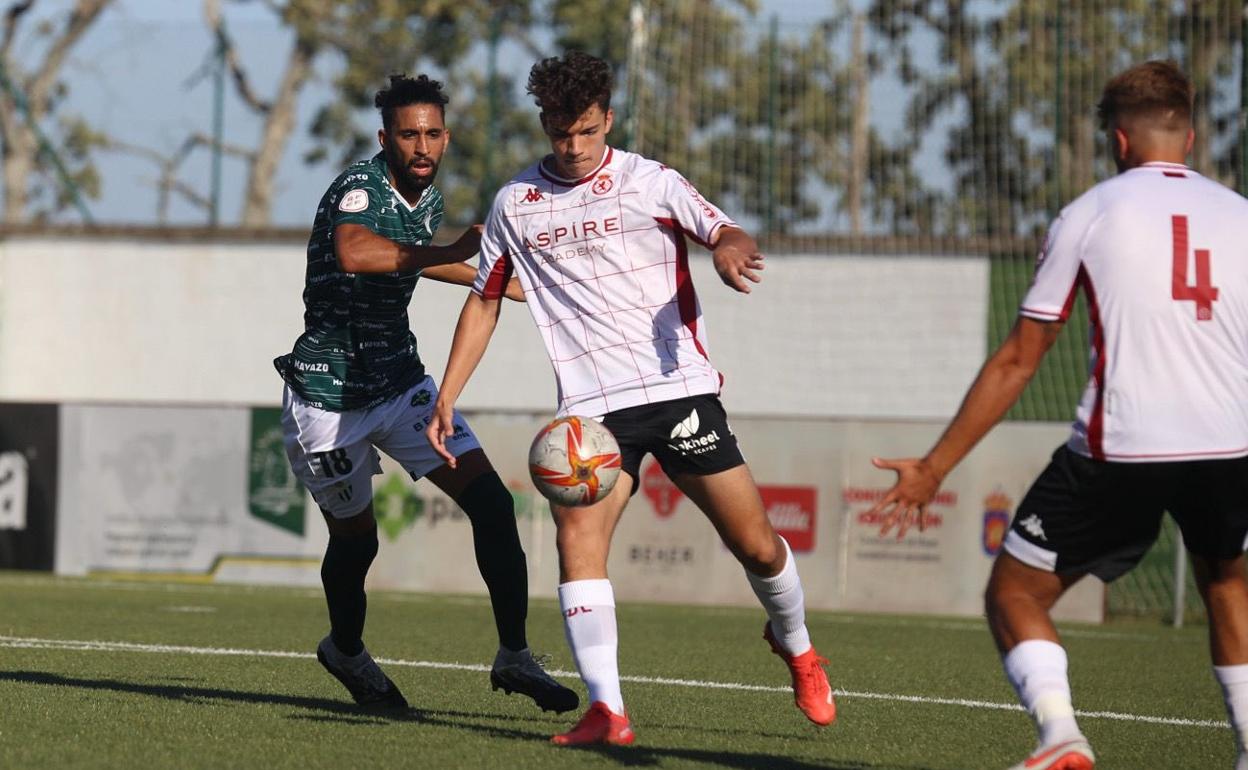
(1211, 508)
(1225, 593)
(583, 537)
(1080, 516)
(1017, 602)
(330, 457)
(730, 499)
(475, 487)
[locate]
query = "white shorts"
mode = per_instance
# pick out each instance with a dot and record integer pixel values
(335, 455)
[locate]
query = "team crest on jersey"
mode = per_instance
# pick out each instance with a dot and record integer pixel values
(353, 201)
(534, 195)
(602, 185)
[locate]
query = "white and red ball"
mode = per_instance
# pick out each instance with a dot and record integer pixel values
(574, 461)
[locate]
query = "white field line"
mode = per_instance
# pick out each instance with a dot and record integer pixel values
(315, 593)
(17, 642)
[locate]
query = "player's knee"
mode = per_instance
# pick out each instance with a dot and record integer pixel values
(487, 499)
(761, 554)
(348, 556)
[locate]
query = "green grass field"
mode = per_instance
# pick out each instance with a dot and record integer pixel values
(155, 675)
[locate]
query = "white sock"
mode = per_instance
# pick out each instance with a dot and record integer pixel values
(1234, 681)
(1037, 669)
(782, 598)
(589, 624)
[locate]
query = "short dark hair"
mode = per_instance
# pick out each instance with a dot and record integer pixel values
(403, 91)
(565, 88)
(1157, 90)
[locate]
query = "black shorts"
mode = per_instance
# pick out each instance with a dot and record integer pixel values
(1083, 515)
(689, 435)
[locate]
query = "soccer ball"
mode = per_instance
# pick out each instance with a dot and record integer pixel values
(574, 461)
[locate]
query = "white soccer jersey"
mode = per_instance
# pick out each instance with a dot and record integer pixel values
(605, 268)
(1162, 256)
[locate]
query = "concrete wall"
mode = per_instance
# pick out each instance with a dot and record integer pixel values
(118, 320)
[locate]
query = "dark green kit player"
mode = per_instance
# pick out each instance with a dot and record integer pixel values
(355, 385)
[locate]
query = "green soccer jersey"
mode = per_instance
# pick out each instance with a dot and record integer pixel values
(357, 349)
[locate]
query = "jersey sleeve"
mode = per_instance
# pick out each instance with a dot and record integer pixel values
(356, 198)
(495, 268)
(694, 214)
(1052, 292)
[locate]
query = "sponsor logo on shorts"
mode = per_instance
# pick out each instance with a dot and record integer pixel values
(1034, 527)
(690, 443)
(343, 490)
(792, 512)
(422, 397)
(997, 508)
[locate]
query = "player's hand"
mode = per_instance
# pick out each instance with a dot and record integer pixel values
(441, 427)
(905, 505)
(514, 291)
(735, 266)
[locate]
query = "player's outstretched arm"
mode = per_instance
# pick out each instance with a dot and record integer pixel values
(736, 257)
(463, 274)
(998, 386)
(360, 250)
(472, 335)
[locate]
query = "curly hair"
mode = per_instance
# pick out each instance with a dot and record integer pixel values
(403, 91)
(1157, 90)
(565, 88)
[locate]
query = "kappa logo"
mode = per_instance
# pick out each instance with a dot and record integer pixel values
(533, 196)
(354, 201)
(602, 185)
(1033, 526)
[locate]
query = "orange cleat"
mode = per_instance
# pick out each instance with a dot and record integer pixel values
(599, 725)
(811, 690)
(1069, 755)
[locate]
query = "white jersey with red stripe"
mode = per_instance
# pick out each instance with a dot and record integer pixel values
(1162, 256)
(604, 263)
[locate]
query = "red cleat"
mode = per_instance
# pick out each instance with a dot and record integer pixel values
(811, 690)
(599, 725)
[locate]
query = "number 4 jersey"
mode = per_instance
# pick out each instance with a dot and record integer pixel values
(1161, 254)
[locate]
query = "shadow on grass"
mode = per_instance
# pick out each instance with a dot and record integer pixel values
(334, 710)
(341, 711)
(649, 755)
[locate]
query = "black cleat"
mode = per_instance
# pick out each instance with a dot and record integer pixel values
(362, 677)
(529, 678)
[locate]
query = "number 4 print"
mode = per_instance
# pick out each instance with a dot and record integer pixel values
(1203, 293)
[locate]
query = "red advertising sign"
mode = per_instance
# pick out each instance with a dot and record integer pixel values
(664, 496)
(792, 512)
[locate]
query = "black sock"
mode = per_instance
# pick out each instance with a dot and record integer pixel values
(500, 558)
(347, 559)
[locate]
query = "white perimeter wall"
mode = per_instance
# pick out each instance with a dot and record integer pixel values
(120, 320)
